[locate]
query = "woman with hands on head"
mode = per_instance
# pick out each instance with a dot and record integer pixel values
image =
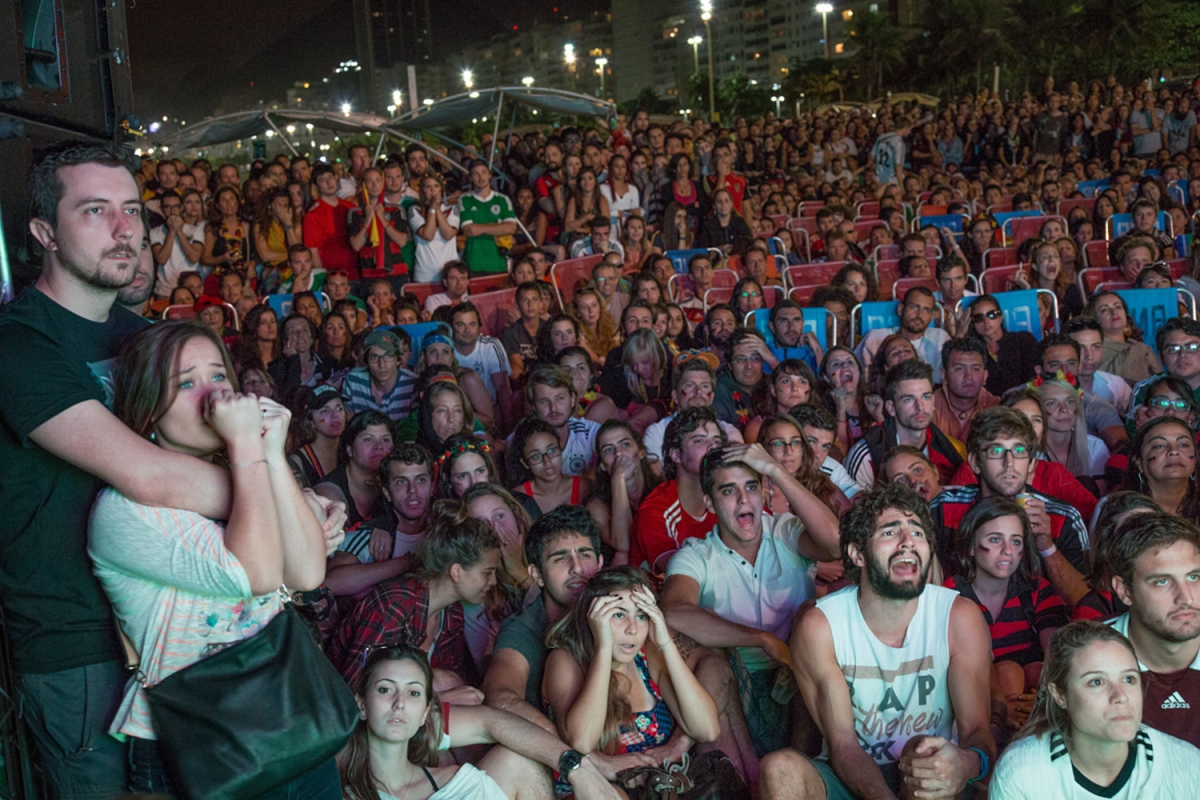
(180, 583)
(393, 751)
(615, 680)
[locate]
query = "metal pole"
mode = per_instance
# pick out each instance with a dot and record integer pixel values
(825, 32)
(712, 96)
(6, 283)
(281, 134)
(496, 130)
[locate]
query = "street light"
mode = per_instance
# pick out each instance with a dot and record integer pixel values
(528, 81)
(824, 9)
(777, 100)
(601, 62)
(468, 79)
(346, 109)
(706, 16)
(569, 57)
(695, 43)
(396, 98)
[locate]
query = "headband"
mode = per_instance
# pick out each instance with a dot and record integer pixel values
(1066, 377)
(435, 338)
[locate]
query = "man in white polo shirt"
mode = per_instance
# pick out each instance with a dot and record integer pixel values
(740, 586)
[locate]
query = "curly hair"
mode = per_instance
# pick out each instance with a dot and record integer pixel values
(858, 524)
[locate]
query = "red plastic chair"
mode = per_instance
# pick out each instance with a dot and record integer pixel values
(779, 220)
(810, 207)
(683, 287)
(493, 309)
(1095, 254)
(806, 224)
(999, 257)
(803, 294)
(487, 283)
(181, 311)
(1088, 204)
(1179, 268)
(886, 275)
(1090, 278)
(422, 291)
(862, 228)
(812, 274)
(571, 275)
(902, 285)
(1023, 228)
(999, 279)
(867, 210)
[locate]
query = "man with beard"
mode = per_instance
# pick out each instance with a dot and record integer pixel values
(1001, 451)
(886, 683)
(916, 315)
(719, 324)
(563, 551)
(961, 395)
(909, 404)
(787, 326)
(406, 475)
(717, 585)
(1155, 564)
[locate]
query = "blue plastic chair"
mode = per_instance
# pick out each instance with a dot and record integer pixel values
(1149, 309)
(952, 221)
(1123, 223)
(1020, 310)
(281, 304)
(417, 332)
(1092, 188)
(680, 258)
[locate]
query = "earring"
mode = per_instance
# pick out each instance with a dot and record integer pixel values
(153, 436)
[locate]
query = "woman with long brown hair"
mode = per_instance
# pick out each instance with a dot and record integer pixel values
(783, 437)
(227, 236)
(623, 479)
(277, 226)
(318, 421)
(259, 343)
(598, 329)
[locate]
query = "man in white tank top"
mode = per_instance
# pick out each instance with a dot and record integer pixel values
(880, 673)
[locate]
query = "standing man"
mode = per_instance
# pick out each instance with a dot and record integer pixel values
(1155, 566)
(887, 156)
(383, 384)
(325, 226)
(485, 355)
(485, 215)
(360, 159)
(887, 684)
(908, 403)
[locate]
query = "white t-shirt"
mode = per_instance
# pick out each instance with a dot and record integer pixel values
(764, 595)
(1097, 456)
(1114, 389)
(177, 264)
(579, 454)
(1039, 767)
(487, 358)
(631, 201)
(928, 347)
(840, 477)
(432, 254)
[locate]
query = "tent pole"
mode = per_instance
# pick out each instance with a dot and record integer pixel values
(496, 130)
(406, 138)
(280, 133)
(379, 148)
(512, 124)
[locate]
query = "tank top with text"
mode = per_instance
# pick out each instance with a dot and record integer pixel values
(896, 693)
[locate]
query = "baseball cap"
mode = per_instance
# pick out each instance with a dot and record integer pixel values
(384, 340)
(207, 301)
(318, 396)
(707, 356)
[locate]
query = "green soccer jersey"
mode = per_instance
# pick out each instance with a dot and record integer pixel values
(481, 253)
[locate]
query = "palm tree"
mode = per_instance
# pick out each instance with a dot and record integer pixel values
(879, 46)
(966, 32)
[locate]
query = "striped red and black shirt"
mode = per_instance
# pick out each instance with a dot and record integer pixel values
(1027, 611)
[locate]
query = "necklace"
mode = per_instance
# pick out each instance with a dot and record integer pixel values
(412, 770)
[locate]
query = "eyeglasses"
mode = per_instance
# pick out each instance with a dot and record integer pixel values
(536, 458)
(997, 453)
(981, 316)
(751, 359)
(379, 358)
(1167, 405)
(750, 294)
(780, 445)
(1176, 349)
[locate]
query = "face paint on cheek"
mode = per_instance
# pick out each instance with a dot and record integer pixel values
(983, 548)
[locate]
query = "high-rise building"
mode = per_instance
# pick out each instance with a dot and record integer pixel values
(387, 33)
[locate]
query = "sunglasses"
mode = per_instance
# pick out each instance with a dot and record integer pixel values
(981, 316)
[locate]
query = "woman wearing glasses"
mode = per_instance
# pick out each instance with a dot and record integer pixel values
(1124, 352)
(1012, 354)
(783, 437)
(747, 297)
(538, 456)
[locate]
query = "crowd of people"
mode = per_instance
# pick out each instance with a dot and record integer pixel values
(640, 523)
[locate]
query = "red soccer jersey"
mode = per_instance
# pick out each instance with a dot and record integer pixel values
(325, 231)
(661, 526)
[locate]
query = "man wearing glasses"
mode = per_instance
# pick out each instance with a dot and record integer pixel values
(1002, 450)
(1178, 343)
(917, 312)
(383, 384)
(606, 277)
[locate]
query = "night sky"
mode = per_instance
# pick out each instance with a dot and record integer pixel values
(188, 59)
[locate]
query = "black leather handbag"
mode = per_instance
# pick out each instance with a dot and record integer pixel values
(254, 716)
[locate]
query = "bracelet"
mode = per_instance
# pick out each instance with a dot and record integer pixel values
(664, 646)
(1049, 551)
(248, 463)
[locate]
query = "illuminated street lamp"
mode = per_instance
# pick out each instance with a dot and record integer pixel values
(528, 81)
(346, 109)
(396, 98)
(777, 99)
(569, 57)
(706, 16)
(601, 62)
(468, 79)
(695, 43)
(824, 9)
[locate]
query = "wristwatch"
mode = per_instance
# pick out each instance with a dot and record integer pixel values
(568, 762)
(985, 767)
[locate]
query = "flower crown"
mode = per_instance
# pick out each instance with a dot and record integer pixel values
(465, 447)
(1063, 377)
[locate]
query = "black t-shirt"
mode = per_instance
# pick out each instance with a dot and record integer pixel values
(51, 360)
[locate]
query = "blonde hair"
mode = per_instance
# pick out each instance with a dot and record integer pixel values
(643, 342)
(1079, 459)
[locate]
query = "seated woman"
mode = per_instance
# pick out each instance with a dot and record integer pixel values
(1067, 441)
(783, 437)
(1102, 602)
(318, 420)
(259, 344)
(623, 479)
(1045, 271)
(300, 365)
(393, 753)
(791, 384)
(845, 390)
(859, 281)
(614, 679)
(646, 389)
(184, 586)
(437, 350)
(1124, 352)
(424, 609)
(679, 332)
(440, 410)
(333, 348)
(598, 331)
(1091, 712)
(1012, 355)
(747, 297)
(538, 457)
(892, 350)
(592, 404)
(998, 569)
(367, 439)
(1162, 465)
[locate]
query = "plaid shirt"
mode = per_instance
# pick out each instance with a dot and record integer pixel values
(356, 393)
(396, 612)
